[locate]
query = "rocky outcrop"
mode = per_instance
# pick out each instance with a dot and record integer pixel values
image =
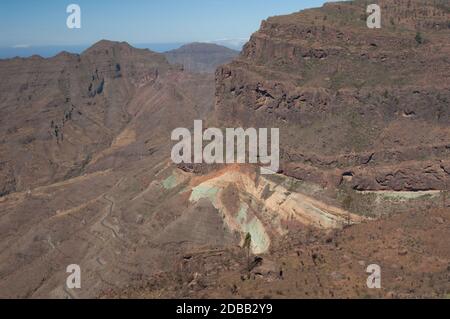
(348, 98)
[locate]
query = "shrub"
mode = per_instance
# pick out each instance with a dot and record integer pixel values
(419, 38)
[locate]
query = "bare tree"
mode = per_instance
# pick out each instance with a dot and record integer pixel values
(347, 204)
(247, 245)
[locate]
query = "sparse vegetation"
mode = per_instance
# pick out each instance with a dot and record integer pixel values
(347, 205)
(247, 245)
(419, 38)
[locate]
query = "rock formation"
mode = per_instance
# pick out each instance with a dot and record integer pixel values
(364, 107)
(58, 115)
(86, 176)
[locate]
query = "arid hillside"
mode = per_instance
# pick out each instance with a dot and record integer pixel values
(86, 175)
(85, 139)
(411, 249)
(357, 107)
(63, 116)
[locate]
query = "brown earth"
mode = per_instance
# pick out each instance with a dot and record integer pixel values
(58, 114)
(83, 135)
(86, 175)
(370, 104)
(411, 249)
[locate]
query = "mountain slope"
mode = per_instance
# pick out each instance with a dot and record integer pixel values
(357, 107)
(87, 177)
(57, 114)
(84, 155)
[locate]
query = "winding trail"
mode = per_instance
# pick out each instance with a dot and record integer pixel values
(110, 210)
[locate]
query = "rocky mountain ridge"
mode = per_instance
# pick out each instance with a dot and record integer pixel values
(86, 174)
(58, 114)
(364, 107)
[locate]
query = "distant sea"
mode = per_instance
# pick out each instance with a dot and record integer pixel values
(49, 51)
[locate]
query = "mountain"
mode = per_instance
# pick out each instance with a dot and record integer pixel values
(201, 57)
(84, 139)
(57, 114)
(87, 177)
(357, 107)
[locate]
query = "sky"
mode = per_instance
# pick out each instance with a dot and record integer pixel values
(31, 23)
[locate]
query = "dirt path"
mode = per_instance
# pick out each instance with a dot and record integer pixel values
(104, 220)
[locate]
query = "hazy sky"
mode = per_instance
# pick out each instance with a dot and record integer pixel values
(43, 22)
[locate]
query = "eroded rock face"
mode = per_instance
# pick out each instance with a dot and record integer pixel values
(75, 129)
(65, 116)
(255, 205)
(350, 101)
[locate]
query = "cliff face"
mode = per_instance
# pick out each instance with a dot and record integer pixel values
(364, 107)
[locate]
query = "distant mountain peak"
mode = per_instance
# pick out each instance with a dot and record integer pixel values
(65, 55)
(201, 57)
(202, 47)
(107, 45)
